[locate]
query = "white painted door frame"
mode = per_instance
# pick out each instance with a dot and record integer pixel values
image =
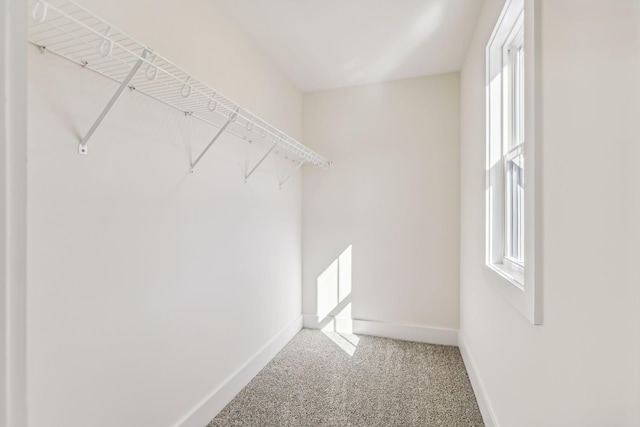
(13, 218)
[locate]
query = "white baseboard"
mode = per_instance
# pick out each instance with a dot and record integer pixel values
(424, 334)
(476, 383)
(215, 401)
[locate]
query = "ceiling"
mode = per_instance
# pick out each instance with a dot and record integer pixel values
(323, 44)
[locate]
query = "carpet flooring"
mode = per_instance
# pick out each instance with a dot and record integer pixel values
(330, 379)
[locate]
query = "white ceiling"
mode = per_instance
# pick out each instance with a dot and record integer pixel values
(322, 44)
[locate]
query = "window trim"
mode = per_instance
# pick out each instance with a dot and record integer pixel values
(522, 287)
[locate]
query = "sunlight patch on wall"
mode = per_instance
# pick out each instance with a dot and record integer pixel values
(334, 287)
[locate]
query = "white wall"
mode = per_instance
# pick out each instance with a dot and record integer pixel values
(148, 287)
(581, 368)
(391, 196)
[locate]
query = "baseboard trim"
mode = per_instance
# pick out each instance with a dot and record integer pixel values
(482, 398)
(424, 334)
(215, 401)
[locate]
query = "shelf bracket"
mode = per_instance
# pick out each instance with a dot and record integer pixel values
(291, 173)
(232, 118)
(82, 148)
(246, 176)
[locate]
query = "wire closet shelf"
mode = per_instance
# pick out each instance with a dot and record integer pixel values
(67, 29)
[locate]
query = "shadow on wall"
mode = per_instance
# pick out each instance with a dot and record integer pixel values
(333, 287)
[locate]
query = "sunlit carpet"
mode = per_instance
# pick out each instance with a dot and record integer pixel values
(331, 379)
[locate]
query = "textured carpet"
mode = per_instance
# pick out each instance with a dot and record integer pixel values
(331, 379)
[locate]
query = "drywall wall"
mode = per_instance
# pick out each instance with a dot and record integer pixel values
(380, 231)
(580, 368)
(148, 286)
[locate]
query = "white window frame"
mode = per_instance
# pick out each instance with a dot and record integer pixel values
(511, 135)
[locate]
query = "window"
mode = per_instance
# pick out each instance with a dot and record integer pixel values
(506, 144)
(512, 147)
(513, 216)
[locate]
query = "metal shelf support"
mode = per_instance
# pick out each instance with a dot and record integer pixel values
(232, 118)
(247, 175)
(286, 178)
(82, 148)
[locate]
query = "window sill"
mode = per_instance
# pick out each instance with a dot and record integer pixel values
(513, 276)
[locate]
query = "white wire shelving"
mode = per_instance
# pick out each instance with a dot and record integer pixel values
(70, 31)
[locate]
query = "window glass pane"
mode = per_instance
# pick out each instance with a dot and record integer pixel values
(514, 178)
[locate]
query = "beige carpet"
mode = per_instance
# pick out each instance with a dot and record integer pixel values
(330, 379)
